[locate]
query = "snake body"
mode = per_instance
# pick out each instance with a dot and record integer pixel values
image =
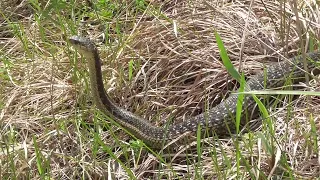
(217, 119)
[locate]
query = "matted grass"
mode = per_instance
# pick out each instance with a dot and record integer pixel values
(161, 61)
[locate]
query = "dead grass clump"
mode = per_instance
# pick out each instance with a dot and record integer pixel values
(181, 69)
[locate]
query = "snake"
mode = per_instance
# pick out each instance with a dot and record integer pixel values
(216, 120)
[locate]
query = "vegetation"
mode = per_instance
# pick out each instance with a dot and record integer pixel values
(161, 62)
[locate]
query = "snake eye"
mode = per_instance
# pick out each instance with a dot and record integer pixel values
(72, 41)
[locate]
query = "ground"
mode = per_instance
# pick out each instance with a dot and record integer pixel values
(161, 61)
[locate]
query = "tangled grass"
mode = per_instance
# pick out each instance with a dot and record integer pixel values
(161, 61)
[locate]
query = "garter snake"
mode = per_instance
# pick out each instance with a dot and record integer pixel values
(216, 119)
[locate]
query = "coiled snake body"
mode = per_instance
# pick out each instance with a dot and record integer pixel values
(217, 119)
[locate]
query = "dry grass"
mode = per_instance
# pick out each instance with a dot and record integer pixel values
(49, 128)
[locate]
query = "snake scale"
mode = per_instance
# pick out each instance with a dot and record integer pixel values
(217, 119)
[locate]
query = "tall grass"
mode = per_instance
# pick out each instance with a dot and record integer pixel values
(164, 61)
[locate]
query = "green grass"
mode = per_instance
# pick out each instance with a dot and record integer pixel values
(50, 129)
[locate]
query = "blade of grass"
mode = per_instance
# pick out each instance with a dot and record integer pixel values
(225, 58)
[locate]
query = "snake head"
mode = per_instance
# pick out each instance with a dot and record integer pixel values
(84, 45)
